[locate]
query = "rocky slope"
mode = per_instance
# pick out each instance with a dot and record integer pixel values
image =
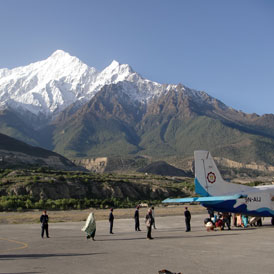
(14, 153)
(65, 185)
(164, 169)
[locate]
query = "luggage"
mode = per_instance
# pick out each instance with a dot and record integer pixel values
(209, 226)
(254, 220)
(219, 224)
(206, 220)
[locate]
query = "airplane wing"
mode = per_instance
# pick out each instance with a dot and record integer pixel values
(205, 199)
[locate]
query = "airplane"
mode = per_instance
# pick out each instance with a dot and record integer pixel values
(222, 196)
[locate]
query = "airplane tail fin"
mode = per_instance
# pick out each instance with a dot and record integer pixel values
(208, 180)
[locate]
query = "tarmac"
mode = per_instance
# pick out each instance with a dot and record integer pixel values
(67, 251)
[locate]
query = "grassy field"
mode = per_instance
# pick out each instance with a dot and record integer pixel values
(100, 214)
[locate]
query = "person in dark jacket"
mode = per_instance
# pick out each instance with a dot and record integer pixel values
(187, 219)
(210, 213)
(153, 215)
(226, 220)
(44, 219)
(111, 220)
(149, 223)
(136, 218)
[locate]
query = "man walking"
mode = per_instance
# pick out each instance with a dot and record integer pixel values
(136, 217)
(111, 219)
(44, 219)
(187, 219)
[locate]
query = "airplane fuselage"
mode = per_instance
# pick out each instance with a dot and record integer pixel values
(258, 202)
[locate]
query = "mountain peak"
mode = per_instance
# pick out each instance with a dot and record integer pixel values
(114, 64)
(60, 53)
(62, 57)
(115, 68)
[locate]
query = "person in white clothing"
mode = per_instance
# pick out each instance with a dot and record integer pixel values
(90, 226)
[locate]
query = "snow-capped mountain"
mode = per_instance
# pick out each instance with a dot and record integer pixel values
(64, 105)
(47, 87)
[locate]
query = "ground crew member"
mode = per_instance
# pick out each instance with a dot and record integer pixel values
(136, 217)
(153, 215)
(44, 219)
(187, 219)
(111, 219)
(226, 220)
(149, 222)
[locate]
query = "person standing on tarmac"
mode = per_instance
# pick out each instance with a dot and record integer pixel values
(226, 220)
(136, 218)
(153, 215)
(111, 220)
(44, 219)
(149, 222)
(187, 219)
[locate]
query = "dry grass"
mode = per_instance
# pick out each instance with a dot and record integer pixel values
(100, 214)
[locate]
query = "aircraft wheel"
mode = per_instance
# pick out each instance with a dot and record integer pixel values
(272, 221)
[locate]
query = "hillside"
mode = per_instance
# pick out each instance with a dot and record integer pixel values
(14, 153)
(53, 189)
(164, 169)
(172, 125)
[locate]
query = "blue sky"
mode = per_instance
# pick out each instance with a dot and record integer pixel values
(225, 48)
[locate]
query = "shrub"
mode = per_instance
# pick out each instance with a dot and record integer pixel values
(19, 203)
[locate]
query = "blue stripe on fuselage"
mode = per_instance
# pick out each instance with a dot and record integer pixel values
(228, 206)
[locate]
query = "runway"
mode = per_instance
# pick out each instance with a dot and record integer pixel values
(67, 251)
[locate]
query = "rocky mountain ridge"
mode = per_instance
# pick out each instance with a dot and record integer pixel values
(47, 87)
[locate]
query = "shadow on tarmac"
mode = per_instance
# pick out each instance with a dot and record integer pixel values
(37, 256)
(119, 239)
(169, 237)
(20, 272)
(196, 236)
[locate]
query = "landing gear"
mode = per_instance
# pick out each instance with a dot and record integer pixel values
(272, 220)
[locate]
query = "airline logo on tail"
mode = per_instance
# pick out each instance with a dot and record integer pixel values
(211, 177)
